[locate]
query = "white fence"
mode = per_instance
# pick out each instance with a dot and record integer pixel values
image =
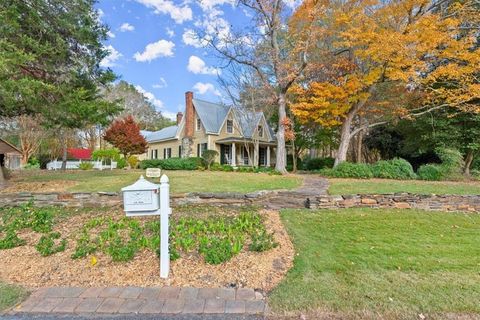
(72, 165)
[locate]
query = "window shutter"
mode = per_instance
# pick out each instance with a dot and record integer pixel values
(164, 153)
(198, 150)
(179, 151)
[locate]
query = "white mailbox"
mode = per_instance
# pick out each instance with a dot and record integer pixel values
(141, 198)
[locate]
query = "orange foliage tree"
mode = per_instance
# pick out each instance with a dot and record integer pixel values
(414, 46)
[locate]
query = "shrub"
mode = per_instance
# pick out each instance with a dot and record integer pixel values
(349, 170)
(227, 168)
(208, 157)
(133, 162)
(393, 169)
(121, 163)
(173, 163)
(86, 166)
(452, 162)
(432, 172)
(318, 163)
(450, 168)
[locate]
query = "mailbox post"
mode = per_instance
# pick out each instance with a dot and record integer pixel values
(144, 198)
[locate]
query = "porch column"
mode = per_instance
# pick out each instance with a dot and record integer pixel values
(268, 156)
(255, 155)
(234, 155)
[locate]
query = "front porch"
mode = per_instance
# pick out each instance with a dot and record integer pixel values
(240, 152)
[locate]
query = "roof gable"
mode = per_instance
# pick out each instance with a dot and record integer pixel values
(211, 114)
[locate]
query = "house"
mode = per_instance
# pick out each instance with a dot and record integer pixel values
(10, 156)
(241, 138)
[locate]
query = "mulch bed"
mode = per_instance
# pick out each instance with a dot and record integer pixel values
(263, 271)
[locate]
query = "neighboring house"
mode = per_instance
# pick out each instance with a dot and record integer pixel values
(240, 137)
(10, 156)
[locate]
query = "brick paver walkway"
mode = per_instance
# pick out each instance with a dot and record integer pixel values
(135, 300)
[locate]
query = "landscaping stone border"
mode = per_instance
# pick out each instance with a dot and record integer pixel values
(429, 202)
(270, 199)
(110, 199)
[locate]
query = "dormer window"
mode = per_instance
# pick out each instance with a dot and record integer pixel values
(229, 126)
(260, 131)
(199, 124)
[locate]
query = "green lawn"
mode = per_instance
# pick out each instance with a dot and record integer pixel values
(180, 181)
(10, 295)
(353, 186)
(391, 262)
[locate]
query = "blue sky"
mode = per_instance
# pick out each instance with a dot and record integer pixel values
(151, 46)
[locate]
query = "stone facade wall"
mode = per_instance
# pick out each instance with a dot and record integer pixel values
(469, 203)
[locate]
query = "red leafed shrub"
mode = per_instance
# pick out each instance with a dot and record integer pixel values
(125, 135)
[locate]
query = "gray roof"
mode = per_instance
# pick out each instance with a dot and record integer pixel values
(249, 121)
(163, 134)
(145, 133)
(211, 114)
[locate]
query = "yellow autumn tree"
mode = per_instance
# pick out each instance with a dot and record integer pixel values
(420, 46)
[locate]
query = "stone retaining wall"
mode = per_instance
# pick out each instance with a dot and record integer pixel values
(108, 199)
(399, 201)
(264, 198)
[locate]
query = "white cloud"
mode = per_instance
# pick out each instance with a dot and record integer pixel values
(203, 88)
(113, 56)
(110, 34)
(170, 115)
(292, 4)
(161, 48)
(210, 4)
(198, 66)
(190, 38)
(161, 84)
(170, 32)
(150, 97)
(126, 27)
(179, 14)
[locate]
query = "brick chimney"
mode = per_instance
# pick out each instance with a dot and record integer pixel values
(179, 117)
(189, 114)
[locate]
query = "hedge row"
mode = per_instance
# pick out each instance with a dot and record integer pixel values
(388, 169)
(173, 163)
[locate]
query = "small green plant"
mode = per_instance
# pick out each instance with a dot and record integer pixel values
(11, 240)
(47, 244)
(85, 166)
(217, 250)
(262, 241)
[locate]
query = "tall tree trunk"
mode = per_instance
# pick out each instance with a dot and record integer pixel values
(345, 137)
(64, 150)
(294, 157)
(358, 148)
(281, 157)
(346, 131)
(468, 162)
